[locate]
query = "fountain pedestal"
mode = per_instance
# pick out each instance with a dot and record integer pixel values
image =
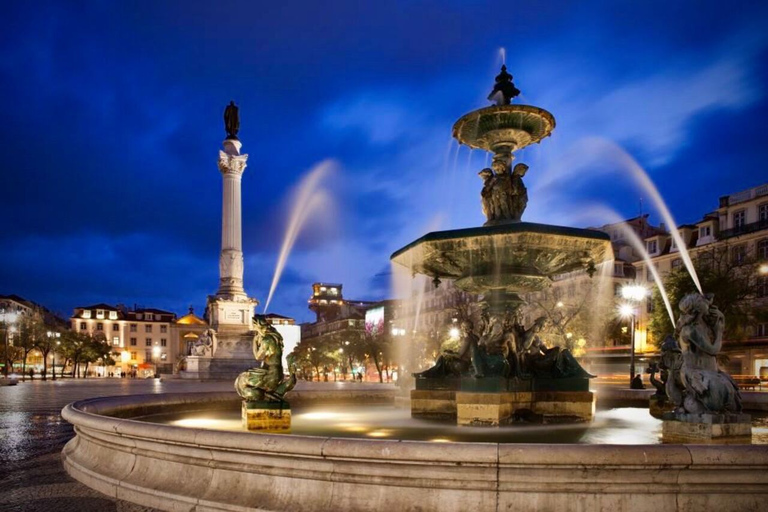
(266, 416)
(707, 428)
(494, 401)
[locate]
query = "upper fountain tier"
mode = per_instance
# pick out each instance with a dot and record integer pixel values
(503, 127)
(505, 256)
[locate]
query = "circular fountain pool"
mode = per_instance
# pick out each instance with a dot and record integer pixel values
(186, 452)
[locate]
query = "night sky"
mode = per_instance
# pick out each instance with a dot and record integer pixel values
(112, 121)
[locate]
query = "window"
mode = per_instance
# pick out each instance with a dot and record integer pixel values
(762, 287)
(705, 231)
(113, 315)
(163, 356)
(133, 342)
(648, 274)
(148, 316)
(652, 246)
(149, 342)
(762, 211)
(163, 342)
(739, 218)
(86, 313)
(163, 328)
(677, 263)
(116, 341)
(762, 249)
(762, 330)
(99, 326)
(618, 269)
(147, 328)
(83, 326)
(115, 328)
(739, 254)
(133, 356)
(133, 327)
(147, 355)
(99, 313)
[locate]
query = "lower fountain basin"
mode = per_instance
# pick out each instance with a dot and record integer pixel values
(171, 467)
(513, 257)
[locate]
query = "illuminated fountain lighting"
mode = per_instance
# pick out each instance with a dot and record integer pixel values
(308, 199)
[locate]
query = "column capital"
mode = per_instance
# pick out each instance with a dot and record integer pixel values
(232, 164)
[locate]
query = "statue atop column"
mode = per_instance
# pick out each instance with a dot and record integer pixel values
(232, 120)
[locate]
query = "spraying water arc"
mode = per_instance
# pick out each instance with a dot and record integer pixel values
(308, 198)
(644, 181)
(639, 246)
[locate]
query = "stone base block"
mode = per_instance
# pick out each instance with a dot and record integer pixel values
(266, 417)
(489, 409)
(707, 428)
(433, 404)
(564, 406)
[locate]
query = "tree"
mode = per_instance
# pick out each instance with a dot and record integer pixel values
(74, 346)
(374, 344)
(30, 330)
(731, 276)
(45, 344)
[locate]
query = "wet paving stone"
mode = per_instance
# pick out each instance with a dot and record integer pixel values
(32, 435)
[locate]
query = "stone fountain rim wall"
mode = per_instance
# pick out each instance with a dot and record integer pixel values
(176, 468)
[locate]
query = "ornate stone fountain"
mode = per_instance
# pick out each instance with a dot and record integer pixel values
(503, 368)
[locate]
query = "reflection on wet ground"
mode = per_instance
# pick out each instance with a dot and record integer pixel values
(613, 426)
(32, 434)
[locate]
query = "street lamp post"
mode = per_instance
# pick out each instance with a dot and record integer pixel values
(8, 319)
(634, 293)
(52, 334)
(58, 343)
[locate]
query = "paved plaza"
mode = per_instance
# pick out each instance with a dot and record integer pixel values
(32, 435)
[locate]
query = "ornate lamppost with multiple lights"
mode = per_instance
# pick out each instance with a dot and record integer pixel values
(634, 294)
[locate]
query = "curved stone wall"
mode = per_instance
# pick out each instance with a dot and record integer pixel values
(174, 468)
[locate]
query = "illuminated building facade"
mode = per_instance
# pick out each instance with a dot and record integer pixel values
(141, 338)
(738, 228)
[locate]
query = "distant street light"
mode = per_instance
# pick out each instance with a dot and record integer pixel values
(8, 319)
(454, 333)
(52, 334)
(634, 293)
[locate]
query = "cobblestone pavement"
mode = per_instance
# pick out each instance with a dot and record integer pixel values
(32, 435)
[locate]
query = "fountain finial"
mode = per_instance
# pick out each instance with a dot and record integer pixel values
(504, 90)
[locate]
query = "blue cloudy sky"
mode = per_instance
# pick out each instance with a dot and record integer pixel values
(111, 124)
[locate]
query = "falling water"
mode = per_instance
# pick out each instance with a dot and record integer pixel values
(641, 177)
(639, 246)
(308, 198)
(503, 55)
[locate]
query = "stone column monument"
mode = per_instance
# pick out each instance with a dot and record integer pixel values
(230, 311)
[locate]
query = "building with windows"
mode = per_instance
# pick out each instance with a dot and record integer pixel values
(142, 338)
(738, 230)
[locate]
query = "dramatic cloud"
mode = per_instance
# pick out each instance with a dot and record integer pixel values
(112, 123)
